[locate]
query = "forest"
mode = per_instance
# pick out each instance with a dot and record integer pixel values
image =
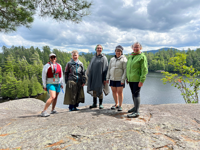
(21, 68)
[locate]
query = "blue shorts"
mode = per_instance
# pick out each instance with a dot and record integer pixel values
(53, 87)
(116, 84)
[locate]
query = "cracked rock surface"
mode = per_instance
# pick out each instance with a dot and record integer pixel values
(164, 127)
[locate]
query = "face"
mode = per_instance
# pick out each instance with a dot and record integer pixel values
(53, 59)
(99, 49)
(118, 52)
(75, 56)
(136, 48)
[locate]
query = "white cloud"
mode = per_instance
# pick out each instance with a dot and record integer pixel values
(153, 23)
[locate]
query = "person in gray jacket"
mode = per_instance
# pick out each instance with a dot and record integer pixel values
(96, 73)
(74, 80)
(117, 76)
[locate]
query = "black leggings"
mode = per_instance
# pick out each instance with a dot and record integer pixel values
(135, 90)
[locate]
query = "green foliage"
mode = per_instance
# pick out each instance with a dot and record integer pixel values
(187, 82)
(15, 13)
(20, 89)
(18, 70)
(33, 89)
(62, 10)
(0, 80)
(9, 86)
(26, 87)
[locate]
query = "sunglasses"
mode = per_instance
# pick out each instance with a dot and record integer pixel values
(53, 57)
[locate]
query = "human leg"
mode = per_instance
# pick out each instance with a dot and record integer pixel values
(54, 102)
(120, 95)
(136, 99)
(48, 103)
(115, 95)
(101, 101)
(94, 105)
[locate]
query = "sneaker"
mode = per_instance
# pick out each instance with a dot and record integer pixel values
(53, 112)
(44, 114)
(93, 106)
(114, 107)
(133, 115)
(120, 108)
(131, 110)
(75, 109)
(72, 109)
(100, 106)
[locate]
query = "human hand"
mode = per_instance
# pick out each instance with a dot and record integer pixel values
(107, 81)
(127, 81)
(61, 86)
(122, 83)
(45, 89)
(104, 82)
(83, 84)
(140, 84)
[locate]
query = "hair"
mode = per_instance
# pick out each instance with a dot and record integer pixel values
(136, 43)
(97, 46)
(74, 51)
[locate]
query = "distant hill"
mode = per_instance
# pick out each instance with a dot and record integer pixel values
(149, 51)
(155, 51)
(81, 53)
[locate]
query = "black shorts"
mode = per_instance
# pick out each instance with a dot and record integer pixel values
(116, 84)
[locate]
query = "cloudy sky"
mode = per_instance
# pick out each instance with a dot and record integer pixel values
(153, 23)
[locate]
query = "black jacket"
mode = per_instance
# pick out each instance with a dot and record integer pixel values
(75, 71)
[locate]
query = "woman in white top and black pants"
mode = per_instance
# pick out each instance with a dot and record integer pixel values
(117, 76)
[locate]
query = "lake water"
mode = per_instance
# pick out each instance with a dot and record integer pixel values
(153, 91)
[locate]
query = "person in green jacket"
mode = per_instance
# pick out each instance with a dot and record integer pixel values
(136, 71)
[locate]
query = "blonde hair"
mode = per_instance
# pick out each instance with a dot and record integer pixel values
(136, 43)
(74, 52)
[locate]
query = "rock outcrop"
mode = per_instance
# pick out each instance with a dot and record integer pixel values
(167, 126)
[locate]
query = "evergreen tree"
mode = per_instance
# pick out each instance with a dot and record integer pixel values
(0, 80)
(20, 89)
(9, 86)
(33, 87)
(26, 87)
(15, 13)
(9, 64)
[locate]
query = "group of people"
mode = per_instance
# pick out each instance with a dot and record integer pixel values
(97, 77)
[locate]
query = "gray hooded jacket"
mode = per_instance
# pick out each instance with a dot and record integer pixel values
(97, 71)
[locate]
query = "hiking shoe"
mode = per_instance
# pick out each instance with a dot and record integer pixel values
(100, 106)
(53, 112)
(93, 106)
(114, 107)
(133, 115)
(44, 114)
(131, 110)
(75, 109)
(120, 108)
(71, 109)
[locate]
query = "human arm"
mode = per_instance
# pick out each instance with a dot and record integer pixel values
(144, 69)
(108, 72)
(61, 78)
(66, 72)
(44, 76)
(124, 73)
(83, 75)
(105, 69)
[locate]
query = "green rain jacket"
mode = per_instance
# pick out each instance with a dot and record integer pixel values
(137, 68)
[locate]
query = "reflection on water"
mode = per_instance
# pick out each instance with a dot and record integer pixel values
(152, 92)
